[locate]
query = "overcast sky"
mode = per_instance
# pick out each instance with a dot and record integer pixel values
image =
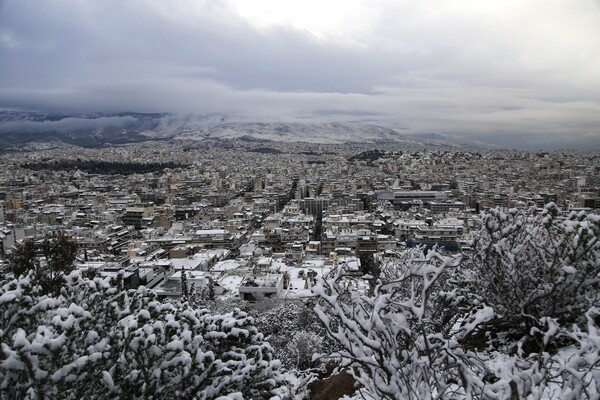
(507, 71)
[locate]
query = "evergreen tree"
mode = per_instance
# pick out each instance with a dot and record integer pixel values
(23, 258)
(211, 289)
(59, 255)
(98, 341)
(193, 300)
(184, 285)
(50, 261)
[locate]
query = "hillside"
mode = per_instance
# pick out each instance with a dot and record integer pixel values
(18, 128)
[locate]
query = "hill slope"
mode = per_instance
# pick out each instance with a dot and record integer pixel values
(101, 129)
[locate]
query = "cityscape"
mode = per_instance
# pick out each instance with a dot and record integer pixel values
(261, 223)
(299, 200)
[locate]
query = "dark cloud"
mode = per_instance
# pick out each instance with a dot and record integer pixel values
(67, 124)
(466, 68)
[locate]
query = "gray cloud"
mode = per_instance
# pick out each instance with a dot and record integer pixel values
(524, 71)
(67, 124)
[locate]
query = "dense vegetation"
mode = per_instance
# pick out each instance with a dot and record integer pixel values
(102, 167)
(519, 318)
(266, 150)
(58, 255)
(98, 341)
(369, 156)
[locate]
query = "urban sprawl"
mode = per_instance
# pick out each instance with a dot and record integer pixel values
(252, 220)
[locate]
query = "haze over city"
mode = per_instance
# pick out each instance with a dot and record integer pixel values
(510, 73)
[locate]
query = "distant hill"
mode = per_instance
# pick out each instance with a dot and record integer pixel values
(102, 129)
(439, 140)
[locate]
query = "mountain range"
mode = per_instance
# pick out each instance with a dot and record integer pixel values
(19, 128)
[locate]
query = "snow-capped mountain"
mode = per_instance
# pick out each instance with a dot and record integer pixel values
(100, 129)
(332, 133)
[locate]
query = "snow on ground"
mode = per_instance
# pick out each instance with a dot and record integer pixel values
(231, 283)
(300, 284)
(227, 265)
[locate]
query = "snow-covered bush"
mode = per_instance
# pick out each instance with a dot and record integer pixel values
(301, 348)
(294, 331)
(530, 267)
(389, 339)
(570, 372)
(518, 319)
(98, 341)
